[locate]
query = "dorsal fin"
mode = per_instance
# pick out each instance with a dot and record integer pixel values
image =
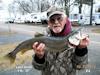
(37, 34)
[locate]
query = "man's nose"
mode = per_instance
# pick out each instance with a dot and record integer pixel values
(56, 21)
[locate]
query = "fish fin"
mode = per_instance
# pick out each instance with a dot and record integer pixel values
(37, 34)
(23, 51)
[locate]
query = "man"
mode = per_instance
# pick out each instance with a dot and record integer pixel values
(56, 63)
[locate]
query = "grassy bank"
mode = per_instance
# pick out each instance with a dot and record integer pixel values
(5, 63)
(97, 30)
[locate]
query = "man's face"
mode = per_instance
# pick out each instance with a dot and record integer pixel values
(57, 23)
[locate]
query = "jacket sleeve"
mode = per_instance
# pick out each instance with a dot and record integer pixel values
(39, 64)
(80, 58)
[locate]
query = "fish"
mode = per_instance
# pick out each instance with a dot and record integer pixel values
(53, 44)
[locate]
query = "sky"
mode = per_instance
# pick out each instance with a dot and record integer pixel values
(97, 1)
(9, 1)
(4, 13)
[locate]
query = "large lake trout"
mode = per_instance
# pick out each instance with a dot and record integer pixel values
(55, 44)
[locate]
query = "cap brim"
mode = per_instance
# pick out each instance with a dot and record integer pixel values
(56, 12)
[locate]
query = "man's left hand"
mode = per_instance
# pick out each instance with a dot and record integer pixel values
(84, 42)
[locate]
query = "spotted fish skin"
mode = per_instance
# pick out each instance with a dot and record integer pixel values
(54, 44)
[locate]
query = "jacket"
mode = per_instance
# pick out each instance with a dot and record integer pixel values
(63, 63)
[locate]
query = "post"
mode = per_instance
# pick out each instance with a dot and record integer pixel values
(91, 12)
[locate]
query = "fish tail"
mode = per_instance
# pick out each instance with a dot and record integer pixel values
(11, 57)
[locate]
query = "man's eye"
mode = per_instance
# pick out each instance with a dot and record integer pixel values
(58, 18)
(52, 20)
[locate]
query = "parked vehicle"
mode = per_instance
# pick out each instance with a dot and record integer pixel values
(74, 19)
(19, 20)
(28, 18)
(44, 17)
(97, 18)
(85, 19)
(33, 18)
(9, 20)
(36, 19)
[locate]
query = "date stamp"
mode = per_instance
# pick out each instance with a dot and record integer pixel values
(87, 66)
(23, 68)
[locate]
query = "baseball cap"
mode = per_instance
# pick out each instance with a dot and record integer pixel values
(55, 10)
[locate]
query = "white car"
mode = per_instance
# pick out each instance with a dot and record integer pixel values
(28, 18)
(19, 20)
(9, 20)
(33, 18)
(36, 19)
(44, 17)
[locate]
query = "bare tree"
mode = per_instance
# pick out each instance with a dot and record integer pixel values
(32, 4)
(29, 6)
(12, 9)
(24, 7)
(81, 2)
(91, 13)
(65, 4)
(44, 5)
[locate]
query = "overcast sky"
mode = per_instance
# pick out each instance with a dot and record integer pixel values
(7, 1)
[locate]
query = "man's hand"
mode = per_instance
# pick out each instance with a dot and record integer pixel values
(39, 49)
(84, 42)
(79, 41)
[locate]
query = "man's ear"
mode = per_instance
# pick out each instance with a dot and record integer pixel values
(49, 24)
(65, 20)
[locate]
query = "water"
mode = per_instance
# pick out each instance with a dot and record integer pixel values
(12, 38)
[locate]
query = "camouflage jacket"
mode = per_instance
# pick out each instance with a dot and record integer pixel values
(64, 63)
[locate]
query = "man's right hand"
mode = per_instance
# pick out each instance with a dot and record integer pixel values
(39, 49)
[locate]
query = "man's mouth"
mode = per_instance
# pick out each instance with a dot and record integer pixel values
(57, 29)
(56, 26)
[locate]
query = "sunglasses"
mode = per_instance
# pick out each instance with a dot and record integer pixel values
(55, 17)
